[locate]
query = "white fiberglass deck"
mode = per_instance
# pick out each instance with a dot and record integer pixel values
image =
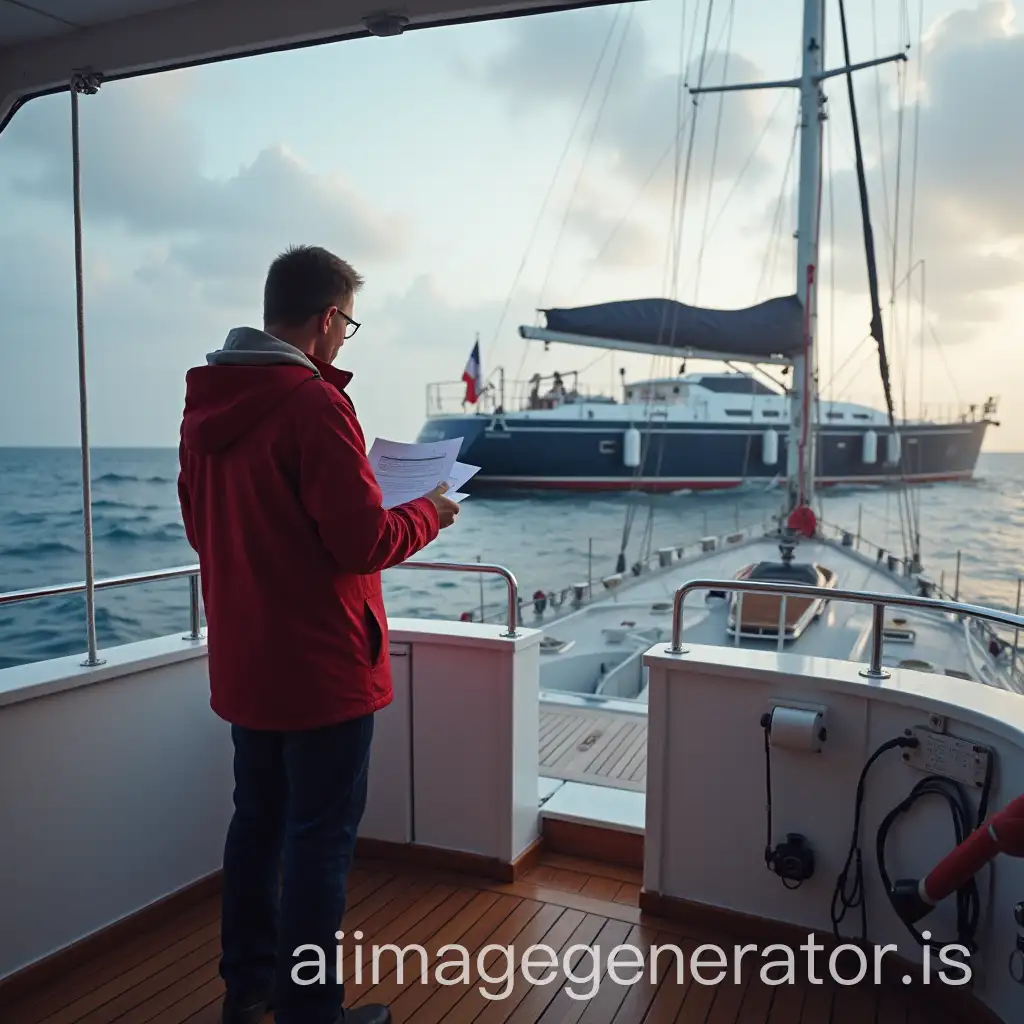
(601, 643)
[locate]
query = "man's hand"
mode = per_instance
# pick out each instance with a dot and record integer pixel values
(447, 509)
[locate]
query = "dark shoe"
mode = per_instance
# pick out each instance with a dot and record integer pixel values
(371, 1013)
(245, 1011)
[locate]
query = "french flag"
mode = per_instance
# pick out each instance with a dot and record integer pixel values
(473, 376)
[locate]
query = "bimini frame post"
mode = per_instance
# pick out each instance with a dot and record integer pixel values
(87, 83)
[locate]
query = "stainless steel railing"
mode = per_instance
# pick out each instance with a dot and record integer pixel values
(879, 603)
(191, 572)
(486, 568)
(63, 589)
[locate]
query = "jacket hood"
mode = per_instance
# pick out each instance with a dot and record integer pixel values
(242, 383)
(246, 346)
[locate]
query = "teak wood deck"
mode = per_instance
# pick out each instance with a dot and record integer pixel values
(594, 746)
(168, 975)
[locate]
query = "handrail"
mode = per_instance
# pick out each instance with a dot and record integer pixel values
(192, 573)
(487, 568)
(112, 582)
(878, 601)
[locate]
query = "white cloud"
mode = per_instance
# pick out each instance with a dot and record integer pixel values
(142, 173)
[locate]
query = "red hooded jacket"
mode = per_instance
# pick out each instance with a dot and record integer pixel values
(279, 500)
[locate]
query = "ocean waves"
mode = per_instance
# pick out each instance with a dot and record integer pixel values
(549, 542)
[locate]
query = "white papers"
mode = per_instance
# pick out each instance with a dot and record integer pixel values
(405, 472)
(459, 476)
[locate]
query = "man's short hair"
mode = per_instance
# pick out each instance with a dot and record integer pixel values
(304, 281)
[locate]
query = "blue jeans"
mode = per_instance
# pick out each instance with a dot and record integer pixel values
(299, 798)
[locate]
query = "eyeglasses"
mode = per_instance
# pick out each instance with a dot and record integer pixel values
(351, 327)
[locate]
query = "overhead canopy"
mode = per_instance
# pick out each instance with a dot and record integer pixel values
(770, 330)
(44, 42)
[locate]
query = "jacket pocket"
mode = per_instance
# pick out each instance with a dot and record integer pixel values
(374, 634)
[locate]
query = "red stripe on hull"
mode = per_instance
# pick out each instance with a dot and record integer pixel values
(665, 486)
(614, 485)
(917, 478)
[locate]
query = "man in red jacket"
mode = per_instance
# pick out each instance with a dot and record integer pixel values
(279, 500)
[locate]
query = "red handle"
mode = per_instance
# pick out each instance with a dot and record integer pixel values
(1002, 833)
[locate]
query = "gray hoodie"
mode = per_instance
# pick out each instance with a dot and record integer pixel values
(247, 346)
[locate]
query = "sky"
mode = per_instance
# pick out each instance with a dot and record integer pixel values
(475, 174)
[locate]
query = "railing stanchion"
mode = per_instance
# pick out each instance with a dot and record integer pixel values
(195, 624)
(677, 622)
(1016, 632)
(875, 670)
(87, 84)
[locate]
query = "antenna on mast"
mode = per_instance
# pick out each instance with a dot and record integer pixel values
(801, 446)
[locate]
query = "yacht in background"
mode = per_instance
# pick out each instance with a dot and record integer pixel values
(759, 746)
(694, 431)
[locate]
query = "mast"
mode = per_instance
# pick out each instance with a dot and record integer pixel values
(801, 448)
(801, 445)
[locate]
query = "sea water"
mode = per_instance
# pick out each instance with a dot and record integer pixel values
(548, 541)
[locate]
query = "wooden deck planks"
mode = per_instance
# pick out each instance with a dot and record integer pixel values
(170, 975)
(593, 746)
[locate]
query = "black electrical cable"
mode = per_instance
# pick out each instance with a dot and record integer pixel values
(968, 901)
(850, 898)
(968, 898)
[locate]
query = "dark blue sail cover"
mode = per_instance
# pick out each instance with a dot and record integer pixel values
(770, 329)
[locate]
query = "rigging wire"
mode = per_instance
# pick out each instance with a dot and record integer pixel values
(845, 393)
(739, 177)
(787, 214)
(770, 255)
(877, 331)
(551, 186)
(682, 123)
(855, 351)
(909, 508)
(714, 150)
(586, 153)
(819, 449)
(632, 206)
(831, 252)
(671, 259)
(676, 258)
(913, 215)
(906, 502)
(945, 362)
(770, 121)
(886, 221)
